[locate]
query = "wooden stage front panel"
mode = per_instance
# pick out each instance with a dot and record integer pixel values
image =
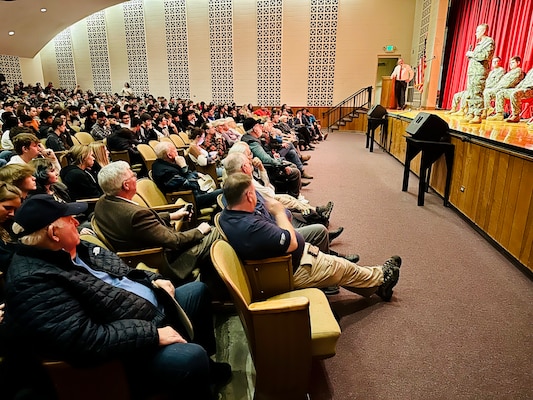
(492, 181)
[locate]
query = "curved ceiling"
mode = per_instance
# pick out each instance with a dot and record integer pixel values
(34, 29)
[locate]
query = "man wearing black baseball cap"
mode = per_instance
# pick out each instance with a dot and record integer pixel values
(78, 302)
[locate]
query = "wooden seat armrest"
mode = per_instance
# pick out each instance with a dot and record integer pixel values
(142, 252)
(91, 200)
(168, 207)
(185, 195)
(280, 305)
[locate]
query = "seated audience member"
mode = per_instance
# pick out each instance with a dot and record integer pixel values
(101, 156)
(313, 233)
(146, 130)
(233, 133)
(256, 236)
(47, 180)
(230, 135)
(74, 301)
(171, 174)
(523, 90)
(57, 139)
(101, 129)
(10, 123)
(28, 147)
(124, 139)
(28, 122)
(199, 155)
(275, 145)
(311, 214)
(128, 226)
(214, 142)
(10, 200)
(284, 175)
(46, 124)
(90, 120)
(19, 175)
(507, 81)
(78, 176)
(305, 136)
(188, 120)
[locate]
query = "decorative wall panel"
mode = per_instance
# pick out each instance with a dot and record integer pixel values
(99, 52)
(66, 70)
(177, 48)
(10, 67)
(269, 39)
(322, 49)
(136, 46)
(221, 50)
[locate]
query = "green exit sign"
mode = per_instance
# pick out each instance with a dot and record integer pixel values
(389, 49)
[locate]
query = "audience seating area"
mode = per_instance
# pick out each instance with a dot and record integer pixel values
(280, 323)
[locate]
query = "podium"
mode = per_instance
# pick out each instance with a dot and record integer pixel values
(431, 152)
(388, 99)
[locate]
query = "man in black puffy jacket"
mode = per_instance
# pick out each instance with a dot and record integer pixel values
(80, 303)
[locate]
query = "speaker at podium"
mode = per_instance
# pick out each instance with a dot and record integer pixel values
(428, 127)
(377, 111)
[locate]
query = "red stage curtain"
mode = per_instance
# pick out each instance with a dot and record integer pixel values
(510, 25)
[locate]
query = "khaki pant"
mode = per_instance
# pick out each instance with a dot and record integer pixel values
(326, 270)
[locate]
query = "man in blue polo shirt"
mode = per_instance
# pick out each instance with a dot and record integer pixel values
(253, 235)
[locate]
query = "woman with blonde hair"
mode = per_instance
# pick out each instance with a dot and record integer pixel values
(101, 156)
(78, 176)
(19, 175)
(10, 200)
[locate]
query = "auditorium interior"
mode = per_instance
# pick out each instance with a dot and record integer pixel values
(459, 324)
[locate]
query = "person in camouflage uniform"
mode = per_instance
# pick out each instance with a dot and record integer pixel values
(460, 99)
(508, 81)
(523, 90)
(478, 69)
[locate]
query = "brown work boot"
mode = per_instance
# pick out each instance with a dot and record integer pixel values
(496, 117)
(305, 158)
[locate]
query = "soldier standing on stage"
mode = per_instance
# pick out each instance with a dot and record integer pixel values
(478, 69)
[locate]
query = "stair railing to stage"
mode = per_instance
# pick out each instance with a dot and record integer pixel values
(349, 108)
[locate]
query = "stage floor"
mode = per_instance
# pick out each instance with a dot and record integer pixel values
(509, 134)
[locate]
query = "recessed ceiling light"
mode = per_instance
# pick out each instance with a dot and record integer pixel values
(43, 10)
(11, 33)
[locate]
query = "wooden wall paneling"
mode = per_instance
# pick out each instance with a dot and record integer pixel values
(500, 170)
(526, 253)
(521, 210)
(456, 196)
(483, 183)
(514, 176)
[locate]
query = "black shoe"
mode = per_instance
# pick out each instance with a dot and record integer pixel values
(330, 290)
(391, 274)
(304, 184)
(351, 257)
(325, 211)
(220, 373)
(335, 234)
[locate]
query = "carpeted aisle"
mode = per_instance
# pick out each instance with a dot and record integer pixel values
(459, 324)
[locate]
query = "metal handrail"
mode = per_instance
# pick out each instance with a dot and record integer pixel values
(360, 100)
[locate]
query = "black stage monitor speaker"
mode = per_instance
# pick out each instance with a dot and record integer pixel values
(377, 111)
(429, 127)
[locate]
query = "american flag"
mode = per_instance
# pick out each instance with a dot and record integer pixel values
(421, 69)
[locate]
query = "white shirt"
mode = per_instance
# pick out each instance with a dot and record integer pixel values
(407, 73)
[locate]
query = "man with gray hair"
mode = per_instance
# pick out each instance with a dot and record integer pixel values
(75, 301)
(128, 226)
(171, 173)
